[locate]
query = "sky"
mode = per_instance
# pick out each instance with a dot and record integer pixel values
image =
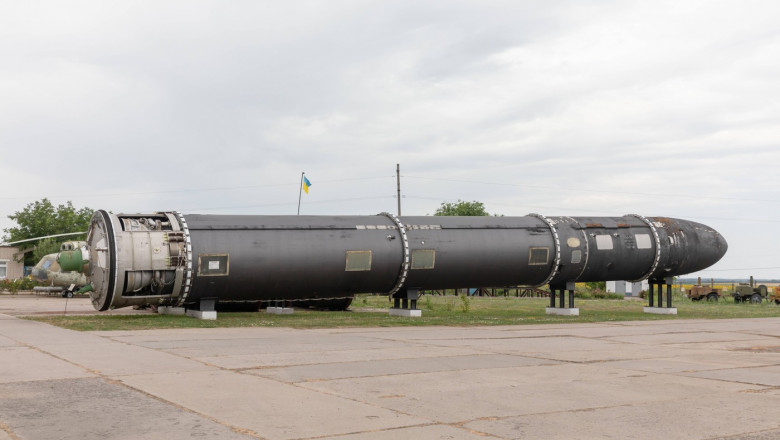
(576, 108)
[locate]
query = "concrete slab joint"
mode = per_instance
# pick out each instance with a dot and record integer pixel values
(641, 379)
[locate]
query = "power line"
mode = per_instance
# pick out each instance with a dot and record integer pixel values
(178, 191)
(568, 189)
(600, 212)
(743, 268)
(266, 205)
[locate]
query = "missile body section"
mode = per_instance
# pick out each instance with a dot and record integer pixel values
(167, 258)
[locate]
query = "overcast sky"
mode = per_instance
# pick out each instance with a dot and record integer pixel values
(579, 108)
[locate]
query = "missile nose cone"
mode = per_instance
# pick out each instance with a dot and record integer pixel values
(717, 246)
(692, 246)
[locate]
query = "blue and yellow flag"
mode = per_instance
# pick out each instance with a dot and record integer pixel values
(306, 185)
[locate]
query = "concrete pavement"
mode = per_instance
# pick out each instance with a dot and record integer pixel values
(672, 379)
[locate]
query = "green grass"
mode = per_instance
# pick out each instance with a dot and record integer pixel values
(371, 311)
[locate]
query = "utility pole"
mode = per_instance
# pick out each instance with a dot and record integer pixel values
(398, 185)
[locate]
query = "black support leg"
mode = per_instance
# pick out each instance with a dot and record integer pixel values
(560, 307)
(207, 305)
(651, 294)
(405, 303)
(660, 284)
(412, 295)
(570, 287)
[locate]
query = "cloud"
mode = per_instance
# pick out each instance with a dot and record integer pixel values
(609, 107)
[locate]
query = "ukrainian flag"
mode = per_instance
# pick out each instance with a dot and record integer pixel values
(306, 185)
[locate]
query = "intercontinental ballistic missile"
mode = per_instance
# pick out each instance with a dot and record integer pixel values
(167, 258)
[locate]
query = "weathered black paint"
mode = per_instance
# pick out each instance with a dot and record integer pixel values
(301, 257)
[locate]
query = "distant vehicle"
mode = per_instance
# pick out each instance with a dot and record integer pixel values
(748, 292)
(775, 296)
(699, 292)
(49, 270)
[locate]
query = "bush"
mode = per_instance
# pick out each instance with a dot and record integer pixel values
(449, 304)
(465, 303)
(15, 286)
(595, 290)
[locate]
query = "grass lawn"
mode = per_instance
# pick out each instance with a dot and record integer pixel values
(371, 311)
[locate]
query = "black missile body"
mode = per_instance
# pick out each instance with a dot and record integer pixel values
(167, 258)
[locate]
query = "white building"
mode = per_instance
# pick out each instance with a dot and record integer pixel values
(627, 288)
(11, 266)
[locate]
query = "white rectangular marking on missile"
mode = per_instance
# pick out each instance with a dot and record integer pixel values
(358, 261)
(423, 258)
(643, 241)
(385, 227)
(538, 256)
(604, 242)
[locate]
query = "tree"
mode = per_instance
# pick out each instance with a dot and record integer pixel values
(461, 208)
(41, 218)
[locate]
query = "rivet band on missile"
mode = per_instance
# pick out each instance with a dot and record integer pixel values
(168, 258)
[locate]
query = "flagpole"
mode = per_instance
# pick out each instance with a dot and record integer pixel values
(300, 190)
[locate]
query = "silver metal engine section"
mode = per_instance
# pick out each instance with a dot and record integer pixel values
(140, 259)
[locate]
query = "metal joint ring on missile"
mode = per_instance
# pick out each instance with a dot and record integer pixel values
(587, 247)
(103, 270)
(557, 240)
(399, 283)
(657, 258)
(188, 270)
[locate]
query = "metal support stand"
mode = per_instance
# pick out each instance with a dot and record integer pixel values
(205, 310)
(562, 309)
(660, 309)
(405, 303)
(279, 308)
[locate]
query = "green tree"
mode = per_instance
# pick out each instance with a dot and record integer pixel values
(41, 218)
(461, 208)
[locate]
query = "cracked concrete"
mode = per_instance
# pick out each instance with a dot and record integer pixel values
(672, 379)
